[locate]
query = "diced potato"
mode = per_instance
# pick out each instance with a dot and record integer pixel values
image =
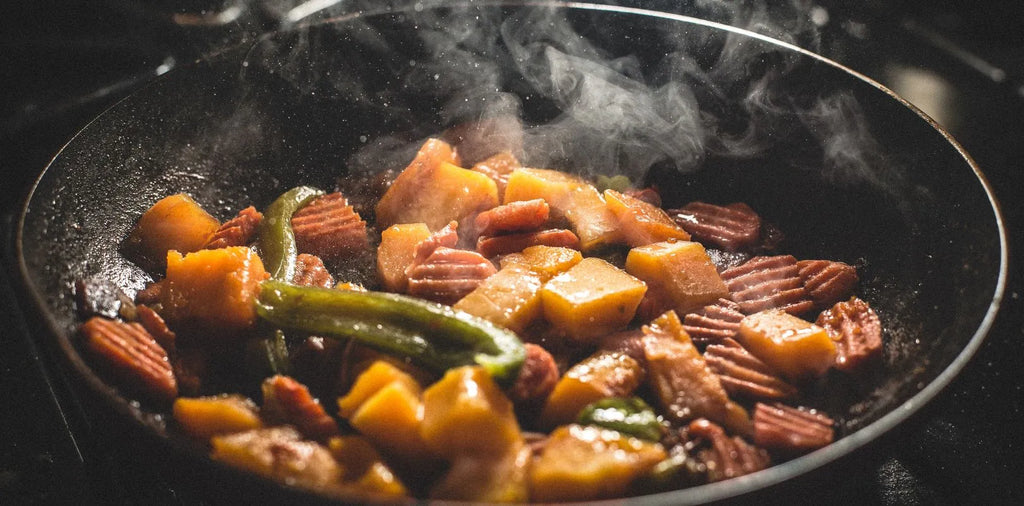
(279, 453)
(378, 375)
(174, 223)
(681, 270)
(501, 478)
(681, 380)
(642, 223)
(203, 417)
(603, 374)
(509, 298)
(434, 191)
(213, 289)
(466, 413)
(794, 347)
(589, 463)
(591, 299)
(547, 261)
(363, 469)
(571, 197)
(391, 420)
(397, 250)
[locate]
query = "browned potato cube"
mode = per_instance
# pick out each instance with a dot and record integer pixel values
(681, 270)
(466, 413)
(641, 222)
(603, 374)
(591, 299)
(396, 251)
(434, 191)
(547, 261)
(509, 298)
(794, 347)
(174, 223)
(589, 463)
(213, 289)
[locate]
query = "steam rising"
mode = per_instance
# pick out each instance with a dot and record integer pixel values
(549, 88)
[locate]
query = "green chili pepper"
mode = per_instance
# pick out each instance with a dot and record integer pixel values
(630, 416)
(678, 471)
(433, 335)
(276, 240)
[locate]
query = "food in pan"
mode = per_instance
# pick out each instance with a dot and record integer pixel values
(490, 333)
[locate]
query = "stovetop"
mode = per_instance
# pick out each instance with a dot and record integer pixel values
(963, 63)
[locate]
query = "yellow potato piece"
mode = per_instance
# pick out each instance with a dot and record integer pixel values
(498, 478)
(174, 223)
(364, 471)
(391, 420)
(203, 417)
(794, 347)
(570, 197)
(213, 289)
(686, 389)
(591, 299)
(466, 413)
(509, 298)
(588, 463)
(603, 374)
(280, 453)
(434, 191)
(641, 222)
(546, 261)
(397, 250)
(682, 270)
(378, 375)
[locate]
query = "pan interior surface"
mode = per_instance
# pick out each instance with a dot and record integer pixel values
(847, 171)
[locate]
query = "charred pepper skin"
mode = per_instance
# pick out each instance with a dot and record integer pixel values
(431, 334)
(275, 238)
(631, 416)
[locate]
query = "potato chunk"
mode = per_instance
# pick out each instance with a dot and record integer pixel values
(681, 380)
(378, 375)
(213, 289)
(643, 223)
(279, 453)
(570, 197)
(391, 419)
(794, 347)
(435, 191)
(174, 223)
(547, 261)
(509, 298)
(203, 417)
(591, 299)
(603, 374)
(466, 413)
(500, 478)
(397, 250)
(364, 471)
(681, 270)
(589, 463)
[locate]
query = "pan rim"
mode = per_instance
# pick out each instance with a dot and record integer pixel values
(695, 495)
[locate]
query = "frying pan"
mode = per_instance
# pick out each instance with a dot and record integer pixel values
(847, 169)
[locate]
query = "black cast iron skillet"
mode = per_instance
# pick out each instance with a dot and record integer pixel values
(845, 168)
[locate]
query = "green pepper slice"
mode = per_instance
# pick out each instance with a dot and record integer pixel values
(631, 416)
(275, 239)
(431, 334)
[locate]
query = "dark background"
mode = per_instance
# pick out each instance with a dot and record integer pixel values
(62, 63)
